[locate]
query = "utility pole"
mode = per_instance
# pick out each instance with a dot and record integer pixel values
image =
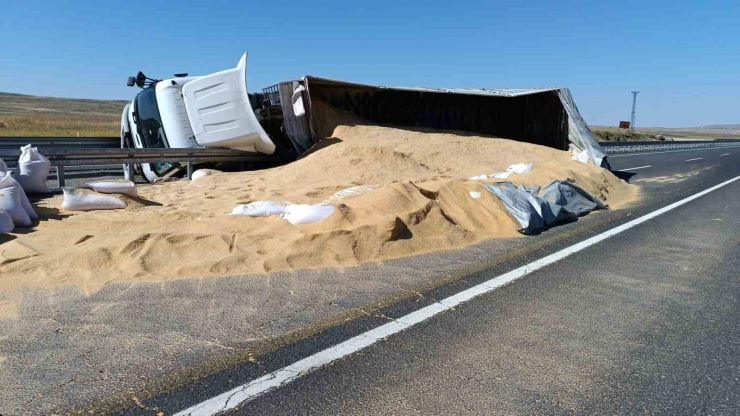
(634, 105)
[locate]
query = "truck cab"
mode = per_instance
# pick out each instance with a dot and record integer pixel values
(192, 112)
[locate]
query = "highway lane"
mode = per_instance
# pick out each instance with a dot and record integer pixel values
(665, 344)
(670, 178)
(672, 162)
(644, 322)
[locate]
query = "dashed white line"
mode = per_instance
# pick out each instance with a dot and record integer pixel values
(639, 167)
(726, 154)
(285, 375)
(696, 158)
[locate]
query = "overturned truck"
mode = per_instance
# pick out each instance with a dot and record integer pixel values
(217, 111)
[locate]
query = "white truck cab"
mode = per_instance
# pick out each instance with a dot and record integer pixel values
(190, 112)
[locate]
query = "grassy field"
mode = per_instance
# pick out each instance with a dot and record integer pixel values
(32, 116)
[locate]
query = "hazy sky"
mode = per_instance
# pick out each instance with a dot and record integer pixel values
(684, 58)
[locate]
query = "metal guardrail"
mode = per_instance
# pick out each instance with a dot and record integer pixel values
(101, 157)
(44, 143)
(651, 146)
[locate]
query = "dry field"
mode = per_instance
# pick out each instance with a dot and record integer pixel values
(27, 115)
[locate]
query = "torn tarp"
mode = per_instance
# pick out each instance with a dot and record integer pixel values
(561, 201)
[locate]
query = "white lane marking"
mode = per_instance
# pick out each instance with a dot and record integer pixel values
(639, 167)
(285, 375)
(726, 154)
(696, 158)
(668, 151)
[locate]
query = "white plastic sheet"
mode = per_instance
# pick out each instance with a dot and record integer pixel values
(3, 166)
(260, 209)
(34, 169)
(89, 202)
(127, 188)
(307, 214)
(580, 156)
(298, 109)
(6, 223)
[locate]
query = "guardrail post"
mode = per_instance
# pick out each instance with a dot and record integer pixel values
(128, 172)
(60, 176)
(190, 170)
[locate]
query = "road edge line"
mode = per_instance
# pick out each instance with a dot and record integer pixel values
(248, 391)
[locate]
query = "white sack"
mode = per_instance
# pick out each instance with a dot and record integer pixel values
(260, 209)
(501, 175)
(520, 168)
(307, 214)
(89, 202)
(6, 223)
(34, 169)
(344, 193)
(11, 201)
(199, 174)
(127, 188)
(3, 166)
(25, 203)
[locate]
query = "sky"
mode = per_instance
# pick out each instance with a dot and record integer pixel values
(683, 56)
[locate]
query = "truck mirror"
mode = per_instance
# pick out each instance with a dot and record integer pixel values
(131, 81)
(140, 80)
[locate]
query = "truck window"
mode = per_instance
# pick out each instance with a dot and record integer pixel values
(150, 128)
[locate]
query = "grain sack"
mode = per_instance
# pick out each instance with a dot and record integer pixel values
(127, 188)
(34, 169)
(6, 223)
(260, 209)
(307, 214)
(11, 201)
(89, 202)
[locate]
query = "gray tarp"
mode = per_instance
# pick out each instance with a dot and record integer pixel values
(579, 135)
(560, 201)
(571, 197)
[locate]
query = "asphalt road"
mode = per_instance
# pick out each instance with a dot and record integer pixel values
(162, 347)
(644, 322)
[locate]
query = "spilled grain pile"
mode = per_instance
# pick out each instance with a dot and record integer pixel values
(421, 203)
